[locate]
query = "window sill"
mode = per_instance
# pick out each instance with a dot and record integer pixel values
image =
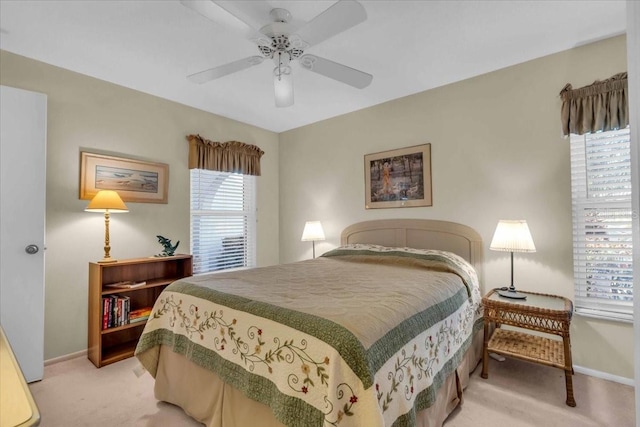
(596, 314)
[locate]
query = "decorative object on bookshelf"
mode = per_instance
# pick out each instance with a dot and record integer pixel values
(168, 250)
(121, 297)
(107, 201)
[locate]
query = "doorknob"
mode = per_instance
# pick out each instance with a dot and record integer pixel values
(31, 249)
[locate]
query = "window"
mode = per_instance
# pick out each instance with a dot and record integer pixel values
(602, 233)
(223, 220)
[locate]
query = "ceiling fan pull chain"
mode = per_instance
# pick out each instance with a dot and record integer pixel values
(279, 65)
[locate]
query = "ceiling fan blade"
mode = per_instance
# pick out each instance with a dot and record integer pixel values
(223, 70)
(215, 14)
(339, 17)
(205, 8)
(339, 72)
(253, 13)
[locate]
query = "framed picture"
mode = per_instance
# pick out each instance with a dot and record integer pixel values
(398, 178)
(134, 180)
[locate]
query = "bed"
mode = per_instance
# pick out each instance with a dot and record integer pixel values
(381, 331)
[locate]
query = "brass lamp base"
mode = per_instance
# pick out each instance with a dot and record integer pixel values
(107, 260)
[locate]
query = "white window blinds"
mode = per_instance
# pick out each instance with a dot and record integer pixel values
(223, 220)
(602, 234)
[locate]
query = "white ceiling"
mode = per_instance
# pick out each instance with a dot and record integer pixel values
(408, 46)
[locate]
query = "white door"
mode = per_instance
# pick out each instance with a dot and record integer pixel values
(23, 129)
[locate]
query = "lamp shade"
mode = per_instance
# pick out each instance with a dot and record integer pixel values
(106, 201)
(312, 231)
(512, 236)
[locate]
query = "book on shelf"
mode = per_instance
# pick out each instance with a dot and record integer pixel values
(126, 284)
(146, 311)
(105, 313)
(139, 315)
(115, 311)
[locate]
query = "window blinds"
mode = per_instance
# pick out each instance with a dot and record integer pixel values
(223, 220)
(602, 234)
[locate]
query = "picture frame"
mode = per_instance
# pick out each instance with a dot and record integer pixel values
(398, 178)
(134, 180)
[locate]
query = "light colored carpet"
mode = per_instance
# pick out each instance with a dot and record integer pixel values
(524, 394)
(75, 393)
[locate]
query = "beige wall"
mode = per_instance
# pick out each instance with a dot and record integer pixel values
(89, 114)
(497, 153)
(496, 147)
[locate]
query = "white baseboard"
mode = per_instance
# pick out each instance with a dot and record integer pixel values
(70, 356)
(604, 375)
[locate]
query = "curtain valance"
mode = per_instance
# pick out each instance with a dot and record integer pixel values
(231, 156)
(601, 106)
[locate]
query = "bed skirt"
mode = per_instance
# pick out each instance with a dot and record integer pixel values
(207, 399)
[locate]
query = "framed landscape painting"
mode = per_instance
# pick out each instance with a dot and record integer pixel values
(134, 180)
(398, 178)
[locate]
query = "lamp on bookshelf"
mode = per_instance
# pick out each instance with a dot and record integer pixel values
(107, 201)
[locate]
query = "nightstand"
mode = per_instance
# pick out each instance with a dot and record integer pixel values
(550, 314)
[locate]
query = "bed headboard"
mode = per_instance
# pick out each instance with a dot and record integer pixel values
(421, 234)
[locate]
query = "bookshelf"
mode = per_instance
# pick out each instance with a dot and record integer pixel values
(116, 343)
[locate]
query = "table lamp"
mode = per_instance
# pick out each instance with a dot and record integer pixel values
(312, 231)
(107, 201)
(512, 236)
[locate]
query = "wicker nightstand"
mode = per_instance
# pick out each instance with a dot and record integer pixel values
(539, 312)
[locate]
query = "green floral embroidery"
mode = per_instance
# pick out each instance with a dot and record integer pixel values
(253, 351)
(436, 347)
(346, 409)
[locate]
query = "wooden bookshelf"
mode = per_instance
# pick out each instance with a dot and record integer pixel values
(113, 344)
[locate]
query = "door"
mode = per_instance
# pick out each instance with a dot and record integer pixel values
(23, 130)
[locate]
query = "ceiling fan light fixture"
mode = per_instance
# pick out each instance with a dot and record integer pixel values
(283, 86)
(283, 80)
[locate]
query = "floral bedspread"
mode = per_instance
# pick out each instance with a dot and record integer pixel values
(363, 336)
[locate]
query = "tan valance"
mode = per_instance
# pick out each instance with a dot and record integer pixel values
(601, 106)
(231, 156)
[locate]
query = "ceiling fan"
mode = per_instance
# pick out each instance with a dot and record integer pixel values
(281, 41)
